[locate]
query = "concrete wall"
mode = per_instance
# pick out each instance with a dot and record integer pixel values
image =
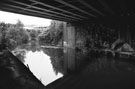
(69, 47)
(126, 32)
(94, 35)
(83, 37)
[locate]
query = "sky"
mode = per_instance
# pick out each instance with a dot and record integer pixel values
(8, 17)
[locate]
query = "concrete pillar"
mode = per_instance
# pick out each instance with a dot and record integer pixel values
(69, 47)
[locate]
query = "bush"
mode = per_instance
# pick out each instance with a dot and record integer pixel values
(53, 35)
(16, 37)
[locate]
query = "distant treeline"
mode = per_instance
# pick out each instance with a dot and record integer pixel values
(13, 35)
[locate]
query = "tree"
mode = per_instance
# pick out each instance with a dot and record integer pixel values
(53, 35)
(16, 36)
(3, 28)
(19, 24)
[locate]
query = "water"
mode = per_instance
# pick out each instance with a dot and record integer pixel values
(40, 64)
(45, 64)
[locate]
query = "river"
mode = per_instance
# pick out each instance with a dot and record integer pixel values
(44, 63)
(47, 63)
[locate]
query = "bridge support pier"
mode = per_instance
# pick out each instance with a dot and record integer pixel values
(69, 47)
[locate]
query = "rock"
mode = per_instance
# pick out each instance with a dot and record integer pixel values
(120, 45)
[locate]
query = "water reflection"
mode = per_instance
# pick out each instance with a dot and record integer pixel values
(57, 59)
(96, 63)
(40, 64)
(45, 64)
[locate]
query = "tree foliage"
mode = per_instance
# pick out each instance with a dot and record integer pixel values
(53, 35)
(13, 35)
(19, 24)
(20, 36)
(3, 28)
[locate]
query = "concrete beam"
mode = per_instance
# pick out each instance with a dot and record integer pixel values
(43, 13)
(56, 8)
(74, 7)
(43, 9)
(90, 7)
(31, 14)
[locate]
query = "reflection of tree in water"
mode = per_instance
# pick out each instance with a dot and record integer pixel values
(104, 64)
(33, 48)
(82, 60)
(93, 62)
(56, 56)
(20, 54)
(20, 51)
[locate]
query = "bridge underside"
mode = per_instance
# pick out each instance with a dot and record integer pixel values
(85, 18)
(87, 23)
(101, 11)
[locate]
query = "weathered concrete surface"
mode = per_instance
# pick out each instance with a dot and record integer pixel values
(15, 75)
(69, 47)
(96, 35)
